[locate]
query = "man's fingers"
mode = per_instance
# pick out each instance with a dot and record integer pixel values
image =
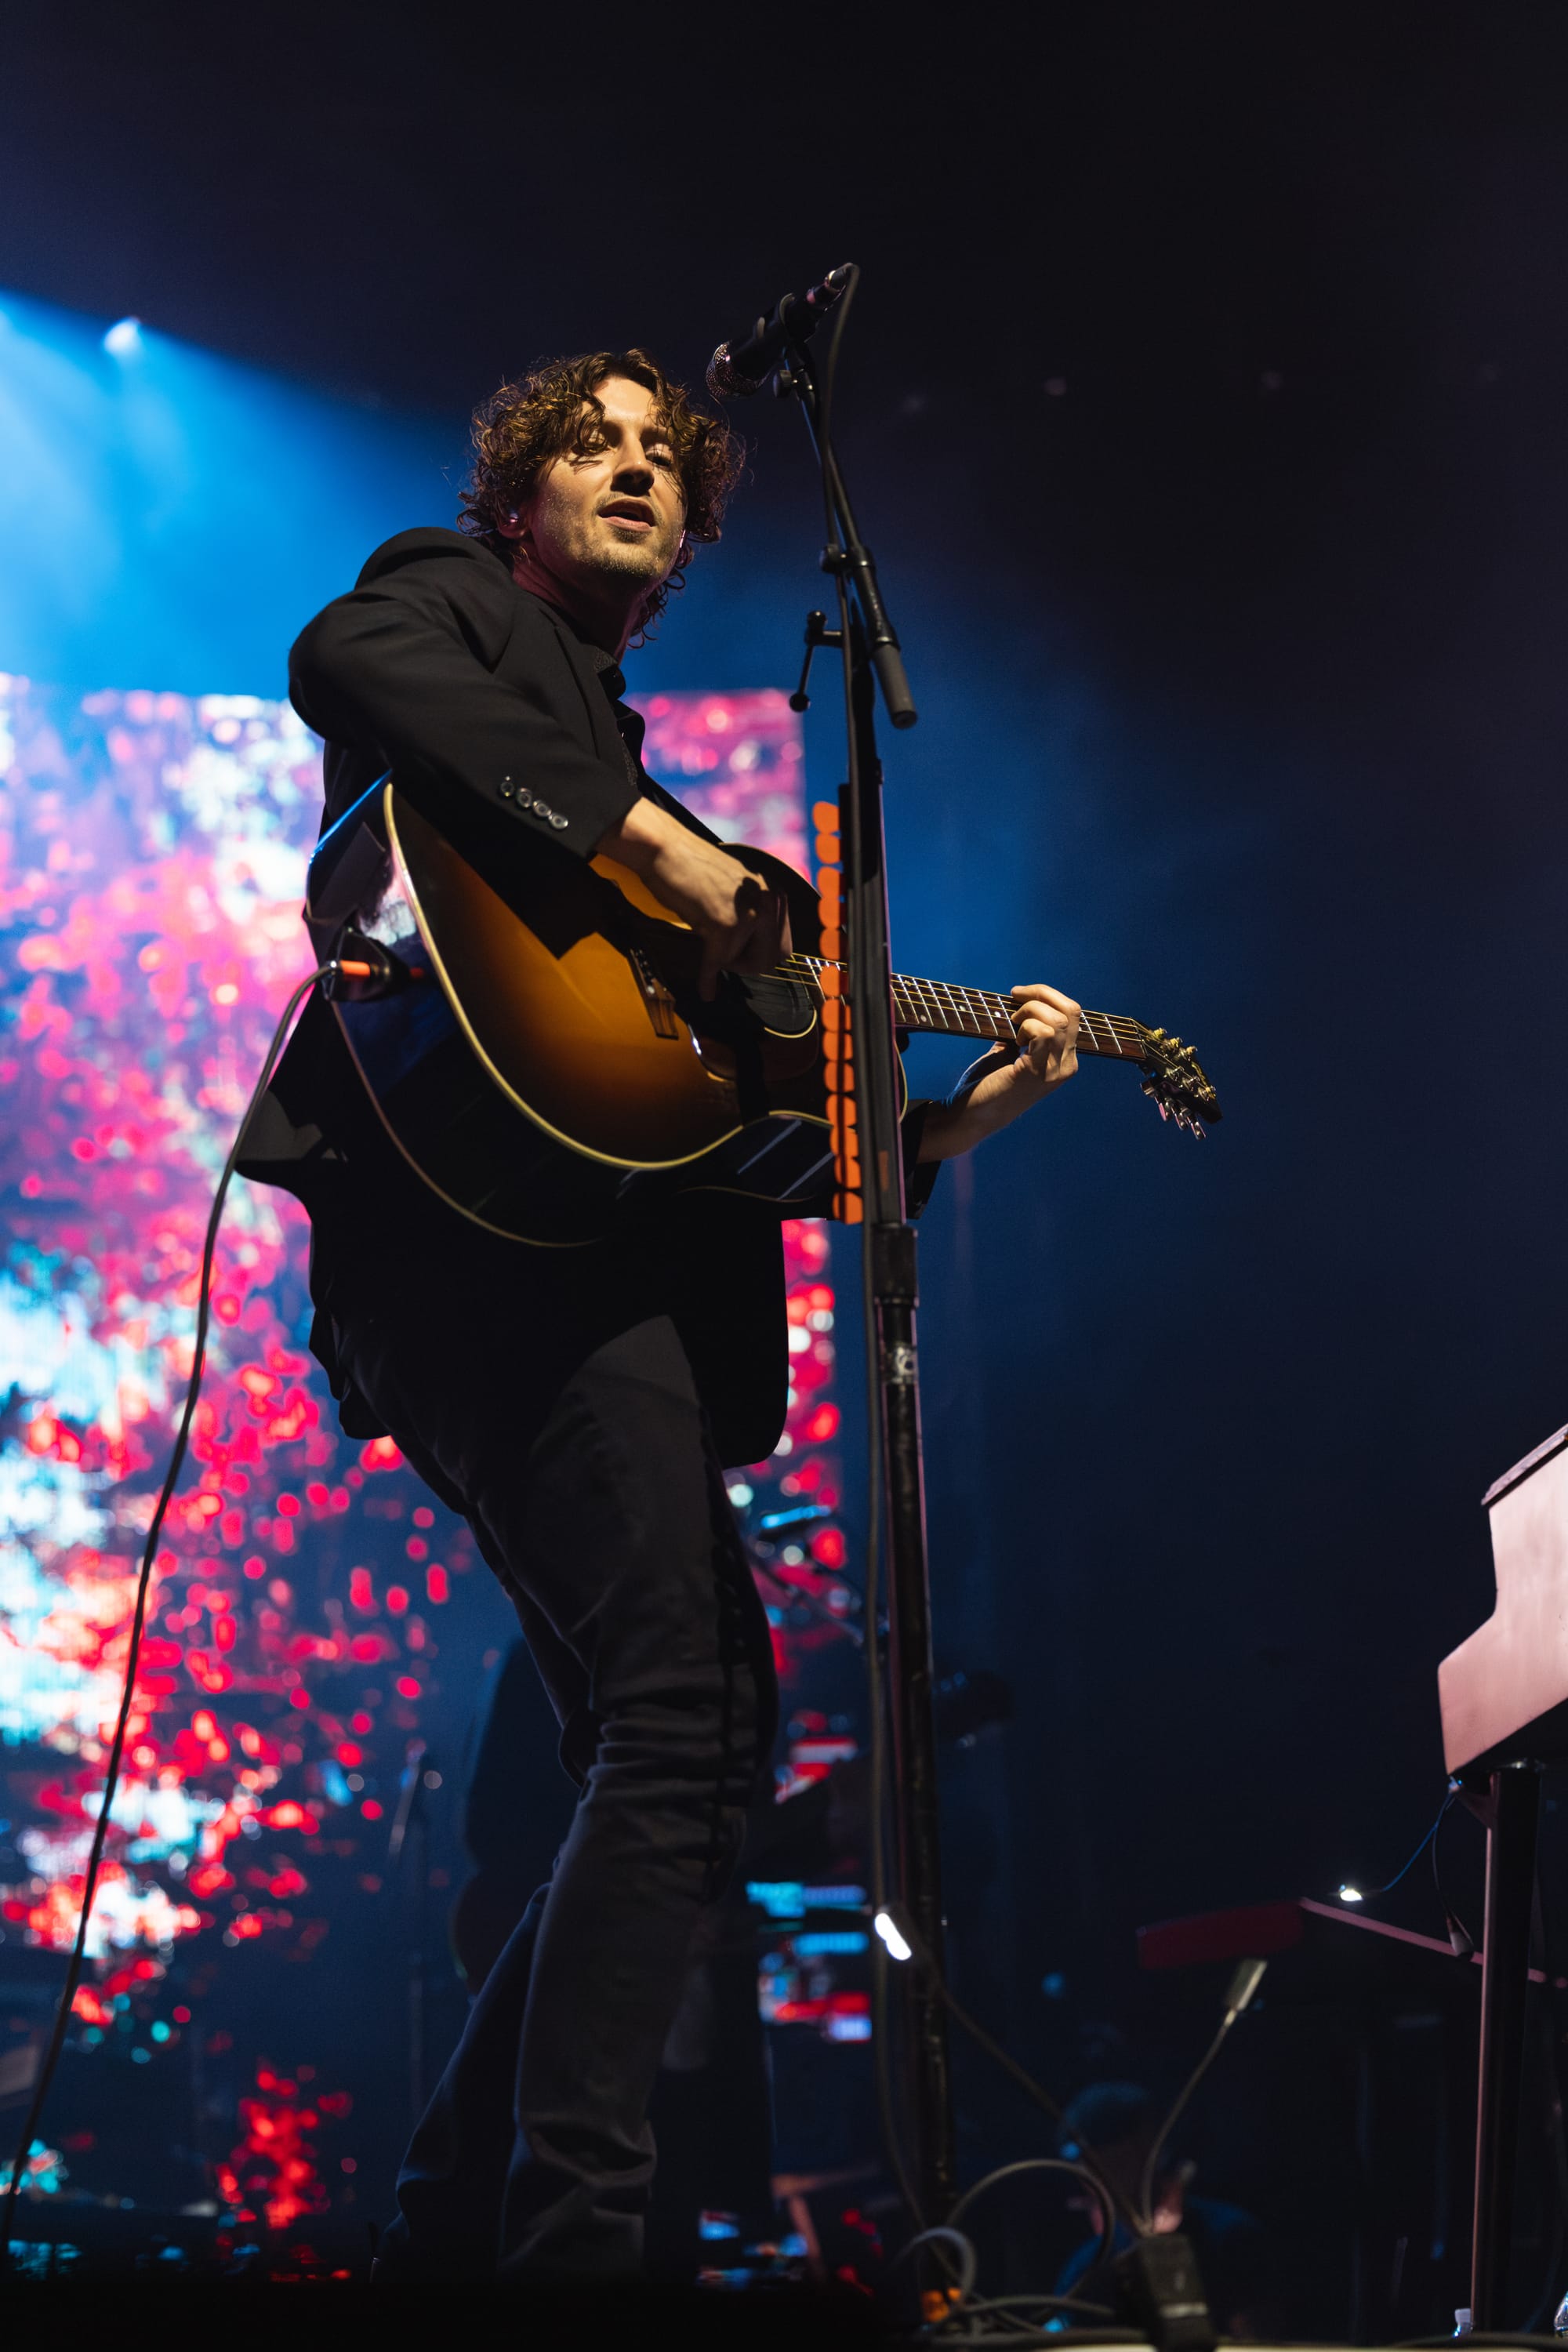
(1037, 992)
(750, 950)
(724, 949)
(755, 939)
(1041, 989)
(1047, 1038)
(770, 930)
(767, 938)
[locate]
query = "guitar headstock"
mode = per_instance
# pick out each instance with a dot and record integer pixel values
(1175, 1083)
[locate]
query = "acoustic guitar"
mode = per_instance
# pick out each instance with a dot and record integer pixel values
(538, 1051)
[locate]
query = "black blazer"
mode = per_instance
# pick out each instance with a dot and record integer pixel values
(439, 665)
(436, 665)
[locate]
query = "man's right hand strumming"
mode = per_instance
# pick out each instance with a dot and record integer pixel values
(743, 926)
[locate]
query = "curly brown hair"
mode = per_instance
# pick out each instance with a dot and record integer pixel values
(522, 428)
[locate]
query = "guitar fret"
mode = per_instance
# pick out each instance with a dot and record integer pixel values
(915, 1006)
(1003, 1021)
(975, 1010)
(941, 1002)
(969, 1005)
(990, 1015)
(993, 1014)
(956, 1004)
(948, 1009)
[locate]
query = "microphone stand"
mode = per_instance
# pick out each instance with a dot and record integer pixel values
(871, 657)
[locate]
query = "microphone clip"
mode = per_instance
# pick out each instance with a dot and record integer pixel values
(742, 367)
(817, 633)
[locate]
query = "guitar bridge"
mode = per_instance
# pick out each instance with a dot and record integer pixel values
(660, 1004)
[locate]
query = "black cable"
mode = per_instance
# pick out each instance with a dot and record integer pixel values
(1370, 1893)
(1245, 1982)
(1451, 1917)
(1048, 2164)
(1108, 2193)
(144, 1585)
(942, 2233)
(1146, 2185)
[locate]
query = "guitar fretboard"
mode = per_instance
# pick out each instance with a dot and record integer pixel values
(938, 1008)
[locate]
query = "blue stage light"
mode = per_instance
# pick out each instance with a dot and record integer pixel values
(170, 518)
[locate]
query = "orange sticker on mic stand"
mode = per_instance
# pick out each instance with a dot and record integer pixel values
(837, 1020)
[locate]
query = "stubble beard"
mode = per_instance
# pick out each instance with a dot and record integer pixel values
(621, 560)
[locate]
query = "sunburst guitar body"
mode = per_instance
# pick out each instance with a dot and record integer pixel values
(540, 1055)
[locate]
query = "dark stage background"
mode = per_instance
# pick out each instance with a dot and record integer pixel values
(1206, 406)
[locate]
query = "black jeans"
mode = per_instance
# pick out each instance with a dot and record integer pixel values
(573, 1440)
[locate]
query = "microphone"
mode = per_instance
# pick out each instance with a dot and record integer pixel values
(742, 365)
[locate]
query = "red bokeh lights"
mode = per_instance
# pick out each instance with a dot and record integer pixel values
(150, 867)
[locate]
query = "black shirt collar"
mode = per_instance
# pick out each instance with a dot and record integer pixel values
(611, 676)
(629, 723)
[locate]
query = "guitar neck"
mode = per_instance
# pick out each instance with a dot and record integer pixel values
(937, 1008)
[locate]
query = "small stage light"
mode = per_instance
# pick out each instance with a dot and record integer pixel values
(887, 1926)
(1350, 1893)
(123, 338)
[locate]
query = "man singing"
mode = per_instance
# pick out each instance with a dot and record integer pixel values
(574, 1406)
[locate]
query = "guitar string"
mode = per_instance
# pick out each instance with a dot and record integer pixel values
(979, 1012)
(915, 1001)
